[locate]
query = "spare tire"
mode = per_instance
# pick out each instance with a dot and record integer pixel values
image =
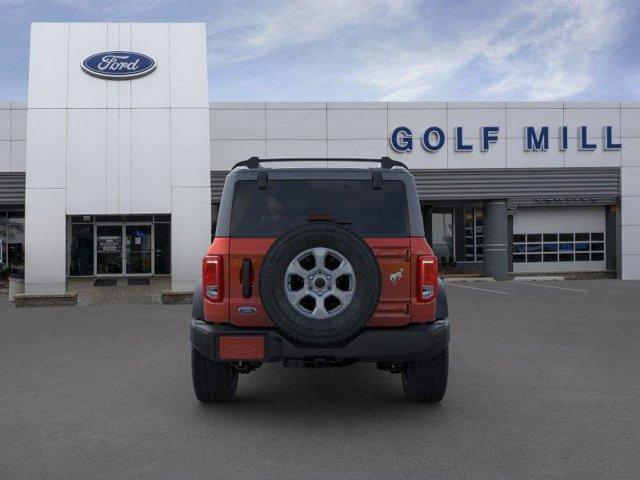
(320, 284)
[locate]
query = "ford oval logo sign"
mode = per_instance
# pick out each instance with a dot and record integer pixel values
(247, 309)
(118, 65)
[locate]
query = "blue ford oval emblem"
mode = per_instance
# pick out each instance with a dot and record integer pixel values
(247, 309)
(118, 65)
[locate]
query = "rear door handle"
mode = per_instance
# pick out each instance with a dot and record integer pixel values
(246, 278)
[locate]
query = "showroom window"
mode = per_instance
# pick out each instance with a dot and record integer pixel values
(11, 242)
(473, 218)
(120, 245)
(81, 250)
(442, 233)
(4, 268)
(162, 239)
(558, 247)
(455, 234)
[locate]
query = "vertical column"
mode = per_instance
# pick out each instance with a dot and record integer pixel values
(610, 237)
(45, 241)
(630, 223)
(190, 158)
(629, 213)
(496, 254)
(190, 235)
(46, 159)
(510, 239)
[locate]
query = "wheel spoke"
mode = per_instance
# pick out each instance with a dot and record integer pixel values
(295, 296)
(344, 268)
(296, 269)
(344, 297)
(320, 254)
(320, 312)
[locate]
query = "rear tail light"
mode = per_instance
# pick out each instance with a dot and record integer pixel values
(427, 278)
(212, 272)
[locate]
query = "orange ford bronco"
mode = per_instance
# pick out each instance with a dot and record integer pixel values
(319, 267)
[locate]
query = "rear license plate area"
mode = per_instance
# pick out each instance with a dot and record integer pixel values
(240, 347)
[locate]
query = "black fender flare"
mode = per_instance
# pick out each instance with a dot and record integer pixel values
(197, 307)
(442, 308)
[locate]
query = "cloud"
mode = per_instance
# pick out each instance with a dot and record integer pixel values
(408, 50)
(263, 28)
(564, 46)
(388, 49)
(104, 7)
(546, 51)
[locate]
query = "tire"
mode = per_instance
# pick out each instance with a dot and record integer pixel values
(346, 324)
(426, 381)
(213, 382)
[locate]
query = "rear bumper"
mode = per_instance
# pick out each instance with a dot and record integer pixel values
(414, 342)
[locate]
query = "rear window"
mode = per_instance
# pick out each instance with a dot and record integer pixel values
(285, 204)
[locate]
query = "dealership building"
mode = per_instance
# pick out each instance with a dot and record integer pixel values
(114, 165)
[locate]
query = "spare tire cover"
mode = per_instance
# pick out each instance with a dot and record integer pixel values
(320, 284)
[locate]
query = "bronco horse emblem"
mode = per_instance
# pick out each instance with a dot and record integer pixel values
(394, 277)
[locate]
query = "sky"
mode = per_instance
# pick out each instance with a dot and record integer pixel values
(377, 50)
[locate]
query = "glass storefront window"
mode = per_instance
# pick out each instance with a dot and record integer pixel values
(15, 242)
(81, 252)
(473, 220)
(109, 249)
(138, 245)
(163, 248)
(442, 234)
(134, 245)
(4, 266)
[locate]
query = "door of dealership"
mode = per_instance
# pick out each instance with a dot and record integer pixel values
(120, 245)
(123, 249)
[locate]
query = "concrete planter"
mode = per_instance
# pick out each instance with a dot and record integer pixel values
(69, 299)
(16, 286)
(176, 298)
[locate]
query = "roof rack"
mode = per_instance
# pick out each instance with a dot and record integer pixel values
(254, 162)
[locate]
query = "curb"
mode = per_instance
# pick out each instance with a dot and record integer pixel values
(468, 279)
(538, 279)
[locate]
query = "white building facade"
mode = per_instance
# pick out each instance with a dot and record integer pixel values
(111, 177)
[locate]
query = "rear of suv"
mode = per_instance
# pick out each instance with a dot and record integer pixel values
(319, 267)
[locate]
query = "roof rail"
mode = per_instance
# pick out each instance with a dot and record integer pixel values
(254, 162)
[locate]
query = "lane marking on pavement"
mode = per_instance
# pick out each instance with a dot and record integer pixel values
(552, 286)
(475, 288)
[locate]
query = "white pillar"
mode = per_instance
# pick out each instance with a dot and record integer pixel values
(630, 222)
(45, 241)
(190, 235)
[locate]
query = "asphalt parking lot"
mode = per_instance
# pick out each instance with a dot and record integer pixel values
(544, 383)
